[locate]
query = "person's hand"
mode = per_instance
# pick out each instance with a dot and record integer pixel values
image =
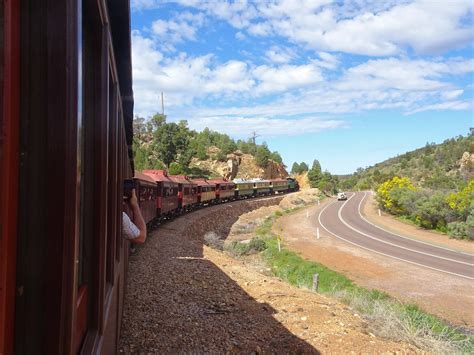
(133, 199)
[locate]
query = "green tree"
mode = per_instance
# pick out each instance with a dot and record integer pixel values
(262, 155)
(303, 167)
(295, 168)
(315, 175)
(276, 157)
(176, 169)
(168, 142)
(316, 166)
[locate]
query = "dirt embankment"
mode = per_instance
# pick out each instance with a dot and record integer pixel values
(244, 228)
(183, 297)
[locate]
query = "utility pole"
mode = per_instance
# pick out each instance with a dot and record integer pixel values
(254, 136)
(162, 104)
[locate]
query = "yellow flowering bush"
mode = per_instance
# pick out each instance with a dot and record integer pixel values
(461, 201)
(385, 193)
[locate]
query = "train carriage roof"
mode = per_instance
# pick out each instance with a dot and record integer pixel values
(278, 180)
(221, 181)
(259, 180)
(203, 182)
(182, 179)
(158, 175)
(143, 177)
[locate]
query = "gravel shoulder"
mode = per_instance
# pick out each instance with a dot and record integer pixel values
(449, 297)
(184, 297)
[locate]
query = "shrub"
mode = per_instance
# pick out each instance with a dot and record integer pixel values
(176, 169)
(432, 211)
(211, 239)
(388, 198)
(462, 230)
(255, 245)
(462, 202)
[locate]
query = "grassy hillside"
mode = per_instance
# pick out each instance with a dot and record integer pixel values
(432, 187)
(444, 166)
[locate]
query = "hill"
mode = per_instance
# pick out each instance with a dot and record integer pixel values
(181, 150)
(445, 166)
(236, 165)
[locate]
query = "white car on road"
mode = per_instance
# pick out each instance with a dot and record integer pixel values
(341, 196)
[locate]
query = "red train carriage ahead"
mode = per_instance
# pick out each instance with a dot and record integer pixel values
(65, 142)
(225, 190)
(146, 193)
(187, 192)
(167, 193)
(206, 191)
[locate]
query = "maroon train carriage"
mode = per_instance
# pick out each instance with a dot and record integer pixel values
(66, 139)
(206, 191)
(187, 192)
(167, 201)
(225, 190)
(146, 189)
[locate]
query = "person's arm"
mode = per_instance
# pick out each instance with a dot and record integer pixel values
(137, 219)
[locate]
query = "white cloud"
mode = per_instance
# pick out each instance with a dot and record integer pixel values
(449, 105)
(374, 28)
(244, 126)
(231, 76)
(182, 27)
(451, 95)
(279, 55)
(285, 77)
(240, 36)
(143, 4)
(186, 78)
(201, 86)
(403, 74)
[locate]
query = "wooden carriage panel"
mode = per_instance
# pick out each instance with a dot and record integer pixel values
(74, 155)
(9, 145)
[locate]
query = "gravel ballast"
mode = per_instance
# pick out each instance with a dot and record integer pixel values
(184, 297)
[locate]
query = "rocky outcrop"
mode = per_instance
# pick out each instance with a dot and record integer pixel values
(239, 165)
(303, 180)
(466, 164)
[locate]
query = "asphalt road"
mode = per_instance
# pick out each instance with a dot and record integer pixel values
(344, 220)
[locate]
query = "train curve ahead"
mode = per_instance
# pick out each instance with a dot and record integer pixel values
(344, 220)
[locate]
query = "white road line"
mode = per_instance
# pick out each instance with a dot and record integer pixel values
(339, 214)
(402, 236)
(390, 256)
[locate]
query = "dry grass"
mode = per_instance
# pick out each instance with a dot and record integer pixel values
(396, 321)
(213, 240)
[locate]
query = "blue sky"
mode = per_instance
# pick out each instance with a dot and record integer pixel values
(350, 83)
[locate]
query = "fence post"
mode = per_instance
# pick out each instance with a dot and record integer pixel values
(317, 232)
(380, 214)
(315, 282)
